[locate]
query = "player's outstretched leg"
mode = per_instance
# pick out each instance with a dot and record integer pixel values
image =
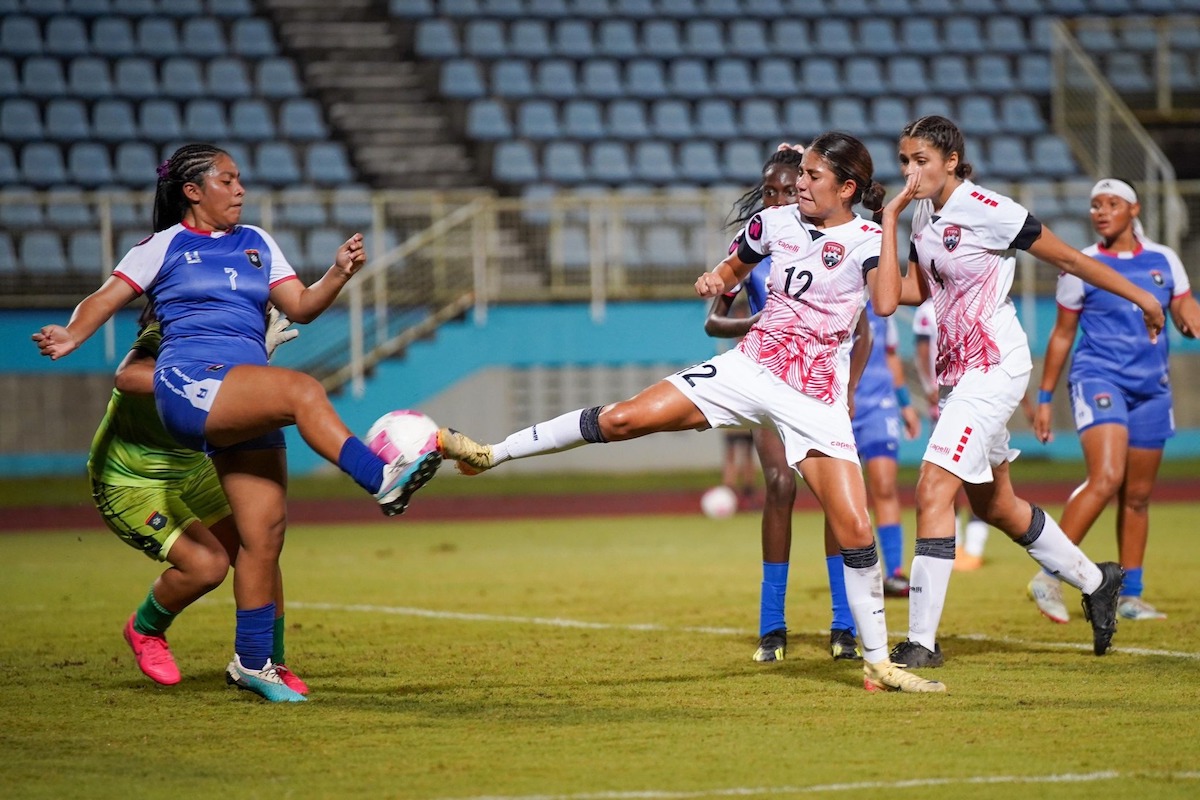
(472, 457)
(401, 481)
(884, 676)
(1100, 607)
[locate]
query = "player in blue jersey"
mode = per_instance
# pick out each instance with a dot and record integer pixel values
(778, 188)
(881, 405)
(1120, 390)
(210, 279)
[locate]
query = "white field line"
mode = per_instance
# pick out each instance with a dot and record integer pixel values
(558, 622)
(916, 783)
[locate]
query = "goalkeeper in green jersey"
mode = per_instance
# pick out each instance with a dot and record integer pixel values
(165, 500)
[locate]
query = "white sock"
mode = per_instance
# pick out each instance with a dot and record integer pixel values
(552, 436)
(958, 528)
(975, 538)
(928, 583)
(1061, 557)
(864, 592)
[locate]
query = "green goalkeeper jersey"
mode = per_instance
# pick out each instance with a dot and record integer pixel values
(131, 447)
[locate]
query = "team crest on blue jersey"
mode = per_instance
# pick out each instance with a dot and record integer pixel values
(156, 521)
(832, 254)
(754, 229)
(254, 258)
(951, 237)
(1103, 400)
(1158, 278)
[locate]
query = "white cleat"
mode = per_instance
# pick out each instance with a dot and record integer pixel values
(1046, 591)
(472, 457)
(884, 676)
(1136, 608)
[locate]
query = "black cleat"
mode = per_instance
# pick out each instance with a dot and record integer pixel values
(772, 647)
(1100, 607)
(842, 646)
(895, 585)
(914, 655)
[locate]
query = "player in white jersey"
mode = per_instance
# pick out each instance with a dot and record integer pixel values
(790, 371)
(962, 255)
(210, 280)
(1120, 390)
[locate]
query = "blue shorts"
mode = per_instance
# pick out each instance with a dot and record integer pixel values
(877, 433)
(1149, 418)
(184, 394)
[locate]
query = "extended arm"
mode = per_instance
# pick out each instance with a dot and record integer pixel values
(724, 276)
(1185, 313)
(305, 303)
(96, 309)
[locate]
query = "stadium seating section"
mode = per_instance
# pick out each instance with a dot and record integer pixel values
(586, 94)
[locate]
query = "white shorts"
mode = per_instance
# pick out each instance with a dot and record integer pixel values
(733, 391)
(971, 435)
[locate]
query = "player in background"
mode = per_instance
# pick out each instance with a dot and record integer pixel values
(210, 279)
(971, 539)
(166, 501)
(962, 255)
(790, 371)
(778, 188)
(1120, 390)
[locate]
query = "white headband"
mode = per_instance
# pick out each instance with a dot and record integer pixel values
(1116, 188)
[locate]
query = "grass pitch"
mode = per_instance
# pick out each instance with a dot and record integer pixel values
(604, 659)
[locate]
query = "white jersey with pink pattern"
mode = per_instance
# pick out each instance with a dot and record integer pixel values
(967, 255)
(816, 292)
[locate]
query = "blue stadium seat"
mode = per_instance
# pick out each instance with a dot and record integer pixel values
(562, 163)
(1019, 113)
(20, 36)
(720, 9)
(666, 246)
(436, 38)
(485, 38)
(301, 119)
(572, 246)
(251, 121)
(678, 9)
(993, 74)
(89, 8)
(275, 164)
(9, 174)
(703, 38)
(204, 120)
(660, 39)
(1095, 35)
(487, 121)
(627, 120)
(253, 37)
(135, 78)
(113, 121)
(919, 35)
(760, 119)
(514, 163)
(864, 77)
(581, 119)
(135, 164)
(1025, 8)
(932, 105)
(1181, 76)
(699, 162)
(529, 38)
(742, 160)
(788, 37)
(644, 78)
(883, 157)
(230, 8)
(876, 35)
(113, 37)
(158, 37)
(617, 38)
(537, 120)
(8, 257)
(555, 78)
(672, 120)
(715, 119)
(950, 75)
(10, 84)
(323, 244)
(21, 120)
(1034, 73)
(906, 76)
(460, 79)
(764, 9)
(411, 9)
(688, 78)
(182, 79)
(160, 121)
(963, 34)
(977, 114)
(832, 36)
(276, 78)
(134, 8)
(747, 37)
(66, 37)
(42, 78)
(227, 78)
(1185, 34)
(89, 78)
(888, 115)
(1052, 157)
(653, 162)
(819, 77)
(84, 254)
(608, 162)
(1127, 72)
(352, 207)
(502, 9)
(460, 8)
(42, 165)
(558, 9)
(573, 39)
(848, 114)
(1007, 158)
(601, 79)
(68, 208)
(67, 120)
(1072, 231)
(803, 118)
(732, 78)
(22, 212)
(512, 80)
(1005, 35)
(42, 252)
(634, 9)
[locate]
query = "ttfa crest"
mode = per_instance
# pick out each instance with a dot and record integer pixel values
(832, 254)
(951, 237)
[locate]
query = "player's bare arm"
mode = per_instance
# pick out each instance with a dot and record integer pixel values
(96, 309)
(305, 303)
(1185, 313)
(723, 277)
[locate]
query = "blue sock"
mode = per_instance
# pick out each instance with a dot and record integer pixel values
(255, 635)
(357, 461)
(1132, 584)
(842, 618)
(774, 598)
(891, 545)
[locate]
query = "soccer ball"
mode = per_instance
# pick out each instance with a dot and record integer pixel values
(403, 435)
(719, 502)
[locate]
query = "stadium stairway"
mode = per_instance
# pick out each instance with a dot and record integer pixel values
(385, 107)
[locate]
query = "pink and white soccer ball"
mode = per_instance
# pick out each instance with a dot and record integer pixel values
(719, 502)
(403, 434)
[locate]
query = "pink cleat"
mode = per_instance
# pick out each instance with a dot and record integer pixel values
(153, 655)
(291, 679)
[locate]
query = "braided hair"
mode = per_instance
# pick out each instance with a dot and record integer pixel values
(188, 164)
(750, 203)
(945, 136)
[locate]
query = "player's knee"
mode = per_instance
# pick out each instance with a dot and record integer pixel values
(211, 568)
(618, 421)
(1137, 502)
(780, 485)
(1105, 479)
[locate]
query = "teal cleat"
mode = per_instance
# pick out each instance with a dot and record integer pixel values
(265, 682)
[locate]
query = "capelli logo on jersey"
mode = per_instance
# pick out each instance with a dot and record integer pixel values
(832, 254)
(951, 237)
(791, 247)
(191, 256)
(254, 258)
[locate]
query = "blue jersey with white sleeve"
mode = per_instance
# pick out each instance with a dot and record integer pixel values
(1113, 344)
(875, 387)
(210, 291)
